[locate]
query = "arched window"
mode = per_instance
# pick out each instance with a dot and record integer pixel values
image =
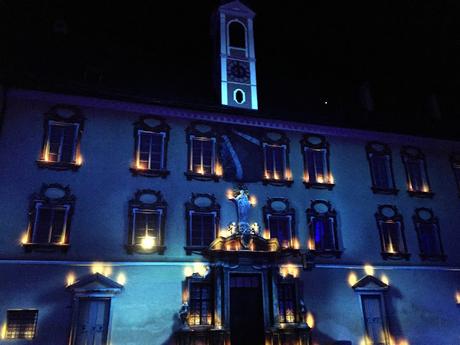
(237, 35)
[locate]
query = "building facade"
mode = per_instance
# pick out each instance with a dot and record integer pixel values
(128, 224)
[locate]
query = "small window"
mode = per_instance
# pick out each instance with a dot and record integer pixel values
(287, 301)
(203, 162)
(151, 137)
(416, 172)
(322, 224)
(239, 96)
(50, 215)
(381, 168)
(61, 141)
(21, 324)
(147, 212)
(455, 161)
(237, 35)
(391, 229)
(280, 221)
(202, 221)
(276, 165)
(201, 305)
(317, 172)
(429, 235)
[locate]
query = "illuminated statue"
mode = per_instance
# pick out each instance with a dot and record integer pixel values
(184, 313)
(243, 205)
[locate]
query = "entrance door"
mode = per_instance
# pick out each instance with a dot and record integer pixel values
(246, 310)
(92, 322)
(373, 317)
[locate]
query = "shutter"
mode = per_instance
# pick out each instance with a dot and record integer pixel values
(144, 150)
(156, 151)
(42, 225)
(68, 143)
(59, 225)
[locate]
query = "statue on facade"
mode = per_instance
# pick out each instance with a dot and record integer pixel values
(243, 205)
(184, 313)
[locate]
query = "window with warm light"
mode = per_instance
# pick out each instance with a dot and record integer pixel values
(416, 172)
(147, 212)
(391, 229)
(279, 220)
(429, 235)
(287, 301)
(202, 221)
(50, 214)
(317, 174)
(61, 141)
(21, 324)
(322, 224)
(275, 147)
(455, 162)
(381, 168)
(200, 303)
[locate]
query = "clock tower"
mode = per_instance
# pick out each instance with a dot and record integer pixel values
(237, 56)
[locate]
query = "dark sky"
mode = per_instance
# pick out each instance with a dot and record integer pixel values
(308, 52)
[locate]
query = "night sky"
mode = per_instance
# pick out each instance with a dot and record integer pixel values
(308, 53)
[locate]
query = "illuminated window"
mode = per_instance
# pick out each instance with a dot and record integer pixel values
(287, 301)
(50, 217)
(202, 221)
(429, 235)
(147, 213)
(200, 303)
(276, 165)
(380, 165)
(455, 161)
(203, 163)
(322, 224)
(391, 230)
(416, 172)
(279, 221)
(61, 142)
(316, 162)
(21, 324)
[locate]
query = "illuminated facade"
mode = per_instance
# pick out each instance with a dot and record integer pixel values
(128, 224)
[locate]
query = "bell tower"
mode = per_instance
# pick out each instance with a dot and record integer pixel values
(237, 56)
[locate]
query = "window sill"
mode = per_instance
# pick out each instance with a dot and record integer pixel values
(317, 185)
(201, 177)
(137, 249)
(420, 194)
(327, 253)
(395, 256)
(387, 191)
(433, 257)
(189, 250)
(45, 247)
(58, 165)
(150, 172)
(277, 182)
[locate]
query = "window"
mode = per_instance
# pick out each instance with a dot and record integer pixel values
(61, 141)
(276, 165)
(428, 233)
(381, 168)
(237, 35)
(317, 173)
(416, 172)
(202, 213)
(50, 214)
(287, 300)
(280, 222)
(21, 323)
(150, 139)
(391, 229)
(203, 163)
(322, 224)
(455, 161)
(147, 213)
(200, 304)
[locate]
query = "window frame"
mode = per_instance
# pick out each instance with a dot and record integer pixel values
(409, 153)
(330, 213)
(39, 200)
(381, 218)
(283, 142)
(196, 132)
(290, 281)
(455, 164)
(323, 145)
(194, 206)
(269, 211)
(433, 220)
(34, 323)
(373, 150)
(157, 205)
(187, 286)
(53, 118)
(142, 126)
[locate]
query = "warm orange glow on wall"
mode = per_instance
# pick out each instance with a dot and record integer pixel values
(320, 179)
(457, 297)
(425, 188)
(185, 296)
(46, 152)
(200, 268)
(121, 278)
(70, 278)
(25, 238)
(311, 244)
(229, 194)
(188, 271)
(331, 178)
(390, 248)
(369, 269)
(200, 170)
(79, 159)
(3, 331)
(295, 243)
(289, 269)
(365, 341)
(63, 239)
(384, 278)
(288, 174)
(253, 200)
(310, 320)
(352, 278)
(218, 169)
(266, 234)
(101, 268)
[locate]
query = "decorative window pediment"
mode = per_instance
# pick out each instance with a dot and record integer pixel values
(428, 234)
(279, 220)
(381, 168)
(49, 218)
(322, 224)
(414, 161)
(275, 147)
(369, 283)
(317, 171)
(151, 136)
(63, 127)
(147, 215)
(391, 229)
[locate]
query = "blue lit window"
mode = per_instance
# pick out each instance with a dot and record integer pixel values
(150, 150)
(279, 220)
(380, 165)
(429, 235)
(280, 228)
(391, 230)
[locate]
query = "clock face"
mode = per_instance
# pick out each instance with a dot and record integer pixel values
(238, 71)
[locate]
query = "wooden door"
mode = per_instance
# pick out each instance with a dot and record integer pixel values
(92, 322)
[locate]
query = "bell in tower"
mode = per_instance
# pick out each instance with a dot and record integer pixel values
(237, 56)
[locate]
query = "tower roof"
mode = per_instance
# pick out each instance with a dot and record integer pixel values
(236, 8)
